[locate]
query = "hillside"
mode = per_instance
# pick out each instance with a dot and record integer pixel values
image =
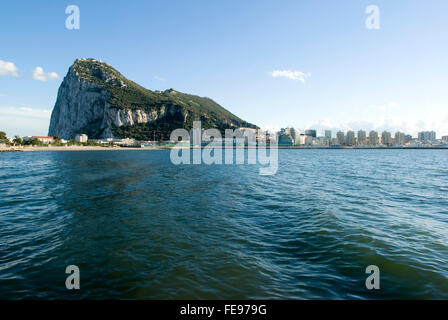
(96, 99)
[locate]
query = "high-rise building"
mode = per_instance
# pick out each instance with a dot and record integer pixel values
(362, 138)
(445, 138)
(334, 141)
(328, 134)
(285, 140)
(81, 137)
(301, 139)
(427, 136)
(350, 139)
(386, 138)
(308, 140)
(284, 131)
(341, 137)
(373, 138)
(321, 141)
(432, 136)
(399, 138)
(311, 133)
(422, 136)
(294, 135)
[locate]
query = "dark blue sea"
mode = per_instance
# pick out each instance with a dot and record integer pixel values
(139, 227)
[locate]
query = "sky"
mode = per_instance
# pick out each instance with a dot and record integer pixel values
(299, 63)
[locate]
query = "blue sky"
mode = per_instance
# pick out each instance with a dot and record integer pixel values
(393, 78)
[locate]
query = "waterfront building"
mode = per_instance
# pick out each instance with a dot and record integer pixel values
(341, 138)
(45, 140)
(294, 135)
(301, 139)
(261, 136)
(362, 138)
(334, 141)
(427, 136)
(422, 136)
(328, 134)
(373, 138)
(432, 136)
(399, 138)
(350, 139)
(445, 138)
(386, 138)
(311, 133)
(124, 142)
(285, 140)
(320, 141)
(81, 137)
(408, 138)
(308, 140)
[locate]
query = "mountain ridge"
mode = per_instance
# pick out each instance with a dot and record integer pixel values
(96, 99)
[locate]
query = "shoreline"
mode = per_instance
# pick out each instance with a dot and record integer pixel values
(80, 148)
(99, 148)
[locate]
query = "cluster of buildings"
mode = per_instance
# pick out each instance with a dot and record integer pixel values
(292, 137)
(288, 137)
(50, 140)
(83, 138)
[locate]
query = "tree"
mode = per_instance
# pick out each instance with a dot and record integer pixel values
(17, 141)
(33, 141)
(3, 135)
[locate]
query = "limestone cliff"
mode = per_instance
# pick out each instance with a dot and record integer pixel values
(96, 99)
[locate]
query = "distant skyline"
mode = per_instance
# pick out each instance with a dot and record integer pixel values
(301, 64)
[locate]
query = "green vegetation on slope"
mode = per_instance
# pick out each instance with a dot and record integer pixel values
(126, 94)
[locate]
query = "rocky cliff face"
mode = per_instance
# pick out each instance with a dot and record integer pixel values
(97, 100)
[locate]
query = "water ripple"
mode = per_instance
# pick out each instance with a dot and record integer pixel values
(140, 227)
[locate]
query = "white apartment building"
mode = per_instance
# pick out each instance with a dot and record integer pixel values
(81, 137)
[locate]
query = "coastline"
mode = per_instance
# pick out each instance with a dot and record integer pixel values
(117, 148)
(80, 148)
(72, 148)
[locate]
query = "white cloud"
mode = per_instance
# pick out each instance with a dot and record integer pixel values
(290, 74)
(25, 112)
(159, 78)
(24, 121)
(40, 75)
(8, 69)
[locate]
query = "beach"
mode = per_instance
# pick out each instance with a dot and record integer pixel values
(109, 148)
(72, 148)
